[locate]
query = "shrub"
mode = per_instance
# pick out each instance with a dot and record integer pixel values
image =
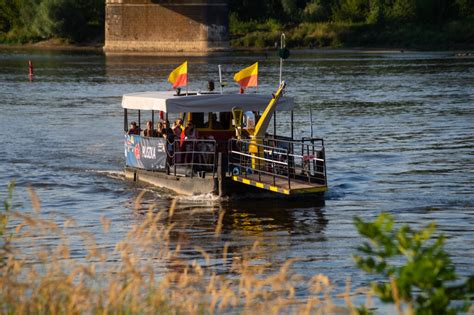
(425, 278)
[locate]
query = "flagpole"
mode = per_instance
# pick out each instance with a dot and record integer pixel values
(220, 79)
(256, 88)
(282, 45)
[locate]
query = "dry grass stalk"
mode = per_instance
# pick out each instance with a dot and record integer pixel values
(45, 279)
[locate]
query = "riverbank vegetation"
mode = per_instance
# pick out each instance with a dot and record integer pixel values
(51, 266)
(420, 24)
(67, 21)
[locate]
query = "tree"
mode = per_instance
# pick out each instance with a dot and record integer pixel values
(403, 11)
(352, 11)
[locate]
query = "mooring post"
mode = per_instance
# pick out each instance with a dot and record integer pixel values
(30, 68)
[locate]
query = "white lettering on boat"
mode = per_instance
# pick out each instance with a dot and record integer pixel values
(148, 152)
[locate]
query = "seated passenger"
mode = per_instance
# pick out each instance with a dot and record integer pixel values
(149, 131)
(159, 129)
(134, 130)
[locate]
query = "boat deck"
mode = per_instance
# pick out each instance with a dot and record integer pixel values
(280, 185)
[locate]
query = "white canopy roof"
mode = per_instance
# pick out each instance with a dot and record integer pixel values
(170, 103)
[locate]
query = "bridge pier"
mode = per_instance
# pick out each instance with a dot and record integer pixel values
(166, 27)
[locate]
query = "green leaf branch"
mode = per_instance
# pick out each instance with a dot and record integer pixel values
(417, 271)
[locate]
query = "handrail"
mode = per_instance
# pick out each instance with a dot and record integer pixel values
(302, 160)
(204, 158)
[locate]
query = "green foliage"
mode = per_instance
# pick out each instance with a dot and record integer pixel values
(29, 20)
(317, 11)
(425, 279)
(9, 15)
(376, 13)
(290, 8)
(403, 11)
(352, 11)
(465, 8)
(315, 23)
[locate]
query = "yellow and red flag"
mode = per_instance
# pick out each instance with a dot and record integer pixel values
(179, 76)
(248, 76)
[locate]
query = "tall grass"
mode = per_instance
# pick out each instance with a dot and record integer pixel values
(144, 273)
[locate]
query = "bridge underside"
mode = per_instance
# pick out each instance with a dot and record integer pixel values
(160, 27)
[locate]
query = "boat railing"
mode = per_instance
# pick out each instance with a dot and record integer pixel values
(307, 157)
(281, 160)
(193, 156)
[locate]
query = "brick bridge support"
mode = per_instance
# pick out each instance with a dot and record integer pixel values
(166, 27)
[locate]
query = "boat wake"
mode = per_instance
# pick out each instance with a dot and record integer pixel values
(202, 198)
(109, 173)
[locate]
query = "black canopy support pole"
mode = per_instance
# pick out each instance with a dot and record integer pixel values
(139, 120)
(152, 119)
(125, 120)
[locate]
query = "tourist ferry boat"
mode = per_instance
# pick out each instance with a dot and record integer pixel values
(233, 152)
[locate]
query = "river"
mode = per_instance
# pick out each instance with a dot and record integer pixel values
(398, 129)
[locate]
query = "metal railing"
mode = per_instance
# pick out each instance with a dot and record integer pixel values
(192, 156)
(280, 159)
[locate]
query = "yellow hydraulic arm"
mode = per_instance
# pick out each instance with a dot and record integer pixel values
(266, 117)
(262, 125)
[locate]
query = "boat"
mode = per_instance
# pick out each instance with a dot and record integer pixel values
(234, 153)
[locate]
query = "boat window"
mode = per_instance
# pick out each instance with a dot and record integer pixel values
(200, 119)
(220, 121)
(225, 119)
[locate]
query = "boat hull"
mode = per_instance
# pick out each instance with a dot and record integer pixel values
(226, 186)
(180, 184)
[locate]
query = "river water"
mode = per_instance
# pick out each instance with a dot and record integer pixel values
(398, 129)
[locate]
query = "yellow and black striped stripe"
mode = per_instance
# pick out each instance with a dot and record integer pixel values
(261, 185)
(309, 190)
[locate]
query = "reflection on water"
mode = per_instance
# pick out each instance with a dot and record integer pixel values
(397, 128)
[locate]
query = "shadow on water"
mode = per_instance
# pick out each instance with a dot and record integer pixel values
(275, 215)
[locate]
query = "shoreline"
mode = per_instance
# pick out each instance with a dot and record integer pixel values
(47, 45)
(98, 48)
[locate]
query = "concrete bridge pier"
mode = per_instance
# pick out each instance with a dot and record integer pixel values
(166, 27)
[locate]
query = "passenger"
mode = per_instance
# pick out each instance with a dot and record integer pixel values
(168, 134)
(149, 131)
(191, 134)
(134, 130)
(178, 134)
(159, 129)
(178, 127)
(206, 151)
(210, 85)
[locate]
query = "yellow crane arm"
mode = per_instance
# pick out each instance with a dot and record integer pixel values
(264, 121)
